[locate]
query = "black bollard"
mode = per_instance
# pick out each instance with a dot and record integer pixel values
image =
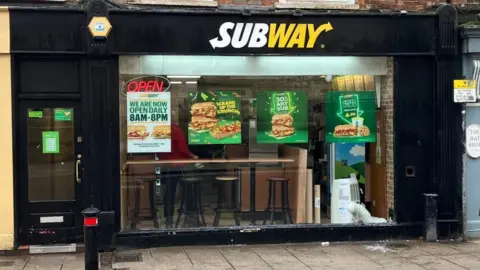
(90, 226)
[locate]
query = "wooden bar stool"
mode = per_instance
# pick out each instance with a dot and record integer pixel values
(222, 180)
(191, 203)
(272, 195)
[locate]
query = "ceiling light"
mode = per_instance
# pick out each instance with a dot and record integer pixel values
(191, 82)
(175, 82)
(183, 77)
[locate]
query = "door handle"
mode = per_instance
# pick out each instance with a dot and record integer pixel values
(77, 174)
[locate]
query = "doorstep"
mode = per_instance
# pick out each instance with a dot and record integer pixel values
(44, 249)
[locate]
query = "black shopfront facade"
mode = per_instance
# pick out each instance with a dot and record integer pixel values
(57, 63)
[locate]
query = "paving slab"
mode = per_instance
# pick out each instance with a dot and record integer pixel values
(465, 260)
(171, 258)
(379, 251)
(439, 249)
(336, 257)
(434, 263)
(398, 263)
(411, 251)
(44, 262)
(74, 262)
(386, 256)
(208, 267)
(468, 247)
(277, 257)
(13, 262)
(254, 268)
(202, 258)
(243, 258)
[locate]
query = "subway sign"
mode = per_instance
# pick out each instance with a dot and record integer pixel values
(273, 35)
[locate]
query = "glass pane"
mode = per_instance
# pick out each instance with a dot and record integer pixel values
(315, 133)
(51, 154)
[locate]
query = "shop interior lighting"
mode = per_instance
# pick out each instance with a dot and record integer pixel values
(183, 77)
(191, 82)
(193, 67)
(175, 82)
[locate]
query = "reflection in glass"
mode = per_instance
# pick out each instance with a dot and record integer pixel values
(51, 171)
(219, 194)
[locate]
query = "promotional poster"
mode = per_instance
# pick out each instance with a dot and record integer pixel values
(214, 118)
(350, 117)
(282, 117)
(148, 119)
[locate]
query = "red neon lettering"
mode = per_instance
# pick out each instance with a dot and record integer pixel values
(142, 85)
(145, 86)
(134, 88)
(150, 86)
(160, 89)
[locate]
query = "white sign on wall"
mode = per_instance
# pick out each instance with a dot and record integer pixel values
(464, 91)
(472, 142)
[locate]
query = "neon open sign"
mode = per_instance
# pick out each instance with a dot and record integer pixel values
(146, 84)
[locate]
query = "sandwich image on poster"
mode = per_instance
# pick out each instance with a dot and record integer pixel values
(214, 118)
(226, 129)
(202, 123)
(350, 117)
(282, 117)
(279, 131)
(345, 131)
(282, 125)
(204, 109)
(161, 132)
(137, 132)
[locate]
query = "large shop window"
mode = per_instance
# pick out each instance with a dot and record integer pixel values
(209, 141)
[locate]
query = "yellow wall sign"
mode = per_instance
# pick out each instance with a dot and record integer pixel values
(465, 84)
(99, 27)
(464, 91)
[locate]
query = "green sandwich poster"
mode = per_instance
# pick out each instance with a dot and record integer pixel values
(214, 118)
(350, 117)
(282, 117)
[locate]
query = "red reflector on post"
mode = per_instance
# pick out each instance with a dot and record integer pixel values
(90, 221)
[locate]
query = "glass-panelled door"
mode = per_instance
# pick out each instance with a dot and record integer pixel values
(50, 171)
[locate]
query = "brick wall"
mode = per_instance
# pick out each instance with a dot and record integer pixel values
(411, 5)
(387, 107)
(248, 2)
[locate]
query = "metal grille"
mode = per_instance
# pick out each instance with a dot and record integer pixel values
(125, 257)
(7, 263)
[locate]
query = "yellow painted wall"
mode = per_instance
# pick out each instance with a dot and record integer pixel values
(6, 155)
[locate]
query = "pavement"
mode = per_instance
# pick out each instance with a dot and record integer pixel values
(380, 255)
